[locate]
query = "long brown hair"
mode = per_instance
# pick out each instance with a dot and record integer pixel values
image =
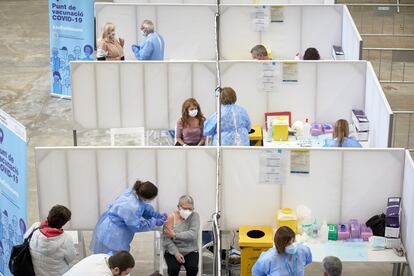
(184, 112)
(283, 236)
(341, 131)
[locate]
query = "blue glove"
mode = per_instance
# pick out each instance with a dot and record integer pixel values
(163, 216)
(159, 222)
(135, 50)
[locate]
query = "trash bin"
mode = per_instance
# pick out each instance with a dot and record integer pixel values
(253, 240)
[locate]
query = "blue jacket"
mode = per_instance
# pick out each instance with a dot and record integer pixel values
(116, 227)
(348, 143)
(228, 128)
(152, 48)
(271, 263)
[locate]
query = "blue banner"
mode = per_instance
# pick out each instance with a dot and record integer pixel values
(71, 24)
(13, 187)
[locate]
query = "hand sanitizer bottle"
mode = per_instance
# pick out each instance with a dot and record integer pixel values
(323, 232)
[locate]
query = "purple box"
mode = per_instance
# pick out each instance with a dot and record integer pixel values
(366, 232)
(327, 128)
(343, 232)
(316, 129)
(354, 229)
(392, 215)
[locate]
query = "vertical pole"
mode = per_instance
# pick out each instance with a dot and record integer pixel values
(216, 215)
(75, 138)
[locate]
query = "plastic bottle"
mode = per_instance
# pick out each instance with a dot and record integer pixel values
(314, 229)
(323, 232)
(269, 137)
(306, 129)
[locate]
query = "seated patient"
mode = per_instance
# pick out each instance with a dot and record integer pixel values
(341, 139)
(180, 238)
(189, 129)
(259, 52)
(310, 54)
(332, 266)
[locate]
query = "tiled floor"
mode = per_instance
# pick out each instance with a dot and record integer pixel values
(24, 93)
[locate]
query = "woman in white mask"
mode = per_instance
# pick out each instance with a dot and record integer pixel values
(180, 238)
(110, 47)
(287, 258)
(189, 128)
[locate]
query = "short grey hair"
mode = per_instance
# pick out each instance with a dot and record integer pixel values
(148, 25)
(259, 50)
(186, 199)
(332, 265)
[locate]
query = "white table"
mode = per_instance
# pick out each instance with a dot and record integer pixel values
(292, 142)
(356, 252)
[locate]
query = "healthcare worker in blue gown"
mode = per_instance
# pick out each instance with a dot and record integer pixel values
(128, 214)
(341, 136)
(235, 122)
(153, 46)
(285, 259)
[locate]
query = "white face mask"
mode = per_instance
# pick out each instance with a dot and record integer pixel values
(144, 34)
(193, 112)
(185, 213)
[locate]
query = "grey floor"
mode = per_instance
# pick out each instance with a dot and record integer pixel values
(24, 93)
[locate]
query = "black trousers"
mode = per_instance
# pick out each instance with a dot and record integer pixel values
(191, 264)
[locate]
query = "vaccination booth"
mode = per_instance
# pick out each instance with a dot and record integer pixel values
(150, 94)
(286, 30)
(336, 184)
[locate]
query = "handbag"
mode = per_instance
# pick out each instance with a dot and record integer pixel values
(377, 224)
(20, 263)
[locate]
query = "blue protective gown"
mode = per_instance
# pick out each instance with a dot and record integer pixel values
(125, 216)
(228, 128)
(152, 48)
(271, 263)
(348, 143)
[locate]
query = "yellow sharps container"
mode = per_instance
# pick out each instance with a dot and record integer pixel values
(256, 136)
(280, 128)
(287, 217)
(253, 240)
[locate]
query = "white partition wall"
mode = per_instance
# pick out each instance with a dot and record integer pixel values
(150, 94)
(351, 39)
(185, 38)
(378, 111)
(341, 185)
(407, 224)
(86, 180)
(324, 92)
(132, 94)
(302, 27)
